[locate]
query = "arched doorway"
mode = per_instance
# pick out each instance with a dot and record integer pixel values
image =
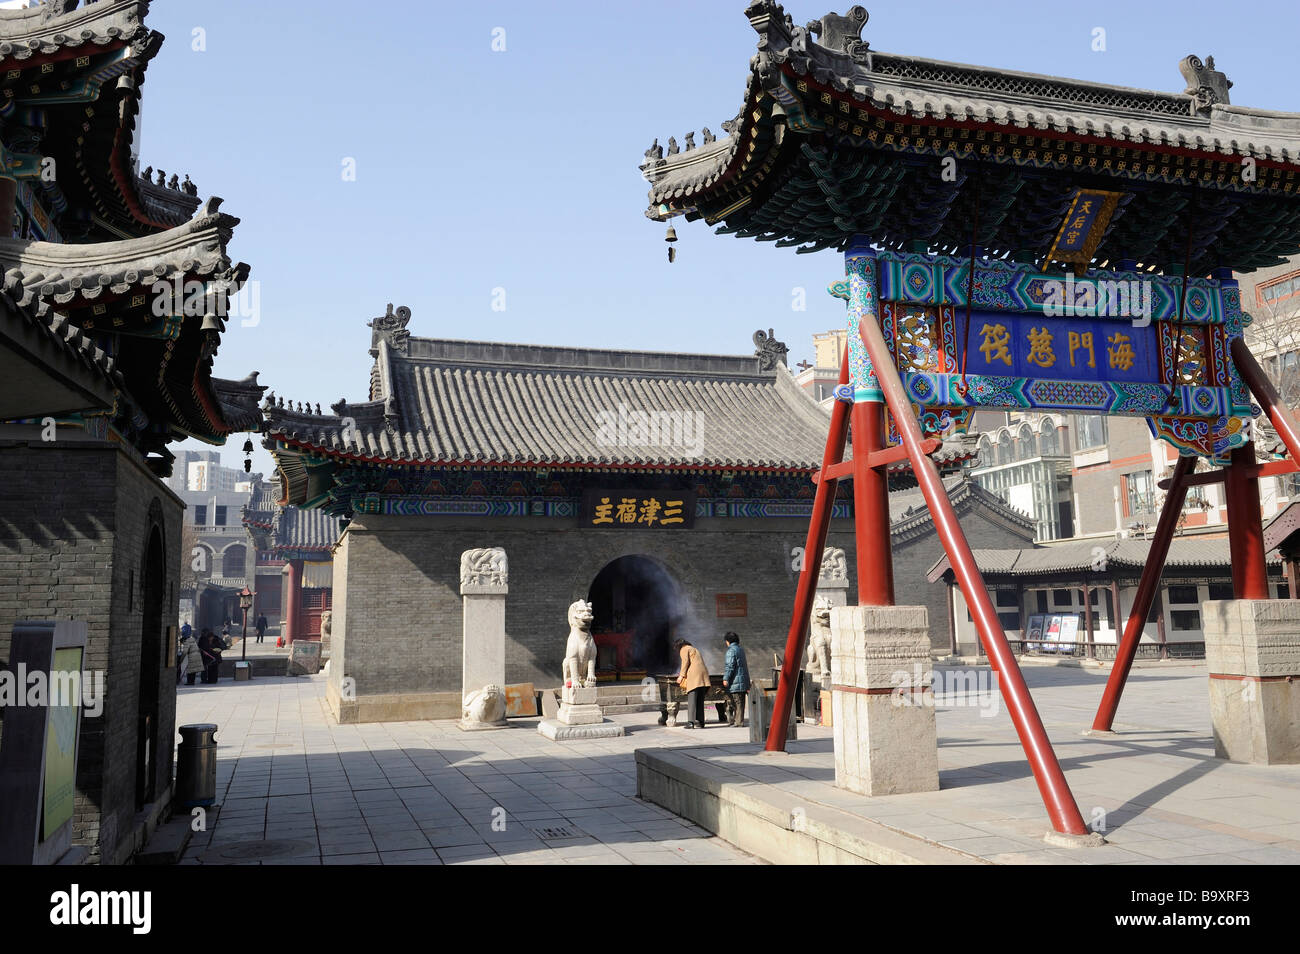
(637, 607)
(153, 581)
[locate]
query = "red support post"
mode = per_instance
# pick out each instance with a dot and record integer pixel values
(1052, 786)
(823, 504)
(1148, 584)
(871, 507)
(1245, 527)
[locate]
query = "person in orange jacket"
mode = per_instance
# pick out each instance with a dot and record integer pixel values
(693, 679)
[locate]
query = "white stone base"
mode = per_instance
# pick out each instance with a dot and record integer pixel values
(580, 715)
(559, 732)
(574, 696)
(465, 725)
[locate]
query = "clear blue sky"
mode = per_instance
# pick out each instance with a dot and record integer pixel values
(478, 170)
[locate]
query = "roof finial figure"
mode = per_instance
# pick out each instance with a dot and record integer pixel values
(672, 146)
(690, 140)
(655, 151)
(708, 136)
(843, 34)
(1206, 85)
(162, 178)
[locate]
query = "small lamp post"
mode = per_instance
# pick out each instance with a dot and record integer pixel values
(245, 604)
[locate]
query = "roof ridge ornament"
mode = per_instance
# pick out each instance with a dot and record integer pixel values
(391, 327)
(1206, 85)
(771, 353)
(842, 34)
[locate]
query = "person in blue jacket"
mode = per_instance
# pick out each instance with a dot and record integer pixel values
(735, 680)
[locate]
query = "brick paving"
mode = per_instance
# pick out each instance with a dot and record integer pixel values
(294, 788)
(425, 792)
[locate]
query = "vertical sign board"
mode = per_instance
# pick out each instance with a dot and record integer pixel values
(38, 751)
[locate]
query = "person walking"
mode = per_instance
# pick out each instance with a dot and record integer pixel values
(260, 625)
(693, 679)
(191, 660)
(225, 635)
(210, 646)
(735, 680)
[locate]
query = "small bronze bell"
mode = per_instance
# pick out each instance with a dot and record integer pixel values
(670, 238)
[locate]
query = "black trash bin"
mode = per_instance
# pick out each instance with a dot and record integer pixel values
(196, 766)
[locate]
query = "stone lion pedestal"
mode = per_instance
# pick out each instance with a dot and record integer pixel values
(579, 716)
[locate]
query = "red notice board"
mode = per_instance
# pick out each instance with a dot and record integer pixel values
(732, 604)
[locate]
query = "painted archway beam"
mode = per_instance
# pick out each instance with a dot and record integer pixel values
(1062, 809)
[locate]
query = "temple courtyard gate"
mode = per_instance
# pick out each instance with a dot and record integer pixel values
(1012, 242)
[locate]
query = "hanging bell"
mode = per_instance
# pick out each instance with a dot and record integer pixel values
(248, 446)
(672, 234)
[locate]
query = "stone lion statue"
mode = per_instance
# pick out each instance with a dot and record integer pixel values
(580, 651)
(485, 705)
(819, 639)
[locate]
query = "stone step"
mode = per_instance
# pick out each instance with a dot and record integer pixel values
(624, 709)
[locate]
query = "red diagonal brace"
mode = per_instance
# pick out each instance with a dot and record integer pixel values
(1145, 595)
(823, 504)
(1055, 791)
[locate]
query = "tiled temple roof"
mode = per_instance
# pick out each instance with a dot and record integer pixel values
(1085, 557)
(240, 402)
(909, 513)
(444, 401)
(49, 275)
(55, 25)
(298, 529)
(834, 139)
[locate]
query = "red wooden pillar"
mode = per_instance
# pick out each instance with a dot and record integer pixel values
(1245, 527)
(823, 505)
(871, 508)
(292, 599)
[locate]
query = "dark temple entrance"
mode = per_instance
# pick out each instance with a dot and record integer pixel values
(637, 606)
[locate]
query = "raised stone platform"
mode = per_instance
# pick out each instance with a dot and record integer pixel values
(1154, 788)
(772, 822)
(557, 731)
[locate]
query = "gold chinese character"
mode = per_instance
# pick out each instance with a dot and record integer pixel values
(603, 512)
(672, 512)
(1079, 223)
(1085, 207)
(1040, 348)
(1072, 237)
(1082, 340)
(626, 512)
(996, 339)
(649, 508)
(1120, 351)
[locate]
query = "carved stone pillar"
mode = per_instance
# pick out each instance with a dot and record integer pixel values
(483, 588)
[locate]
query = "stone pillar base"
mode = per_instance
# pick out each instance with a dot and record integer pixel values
(883, 720)
(579, 714)
(1252, 650)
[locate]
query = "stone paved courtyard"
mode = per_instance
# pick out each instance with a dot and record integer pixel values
(294, 788)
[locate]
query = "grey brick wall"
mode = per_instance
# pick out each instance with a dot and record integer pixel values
(398, 605)
(73, 532)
